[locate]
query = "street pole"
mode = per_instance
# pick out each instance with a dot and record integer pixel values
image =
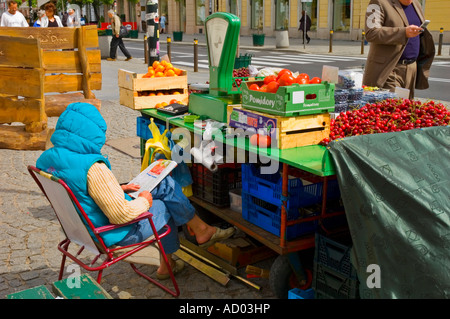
(151, 16)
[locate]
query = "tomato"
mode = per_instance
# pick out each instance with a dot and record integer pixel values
(286, 80)
(303, 75)
(270, 78)
(282, 72)
(254, 87)
(260, 140)
(264, 141)
(272, 87)
(315, 80)
(301, 80)
(263, 88)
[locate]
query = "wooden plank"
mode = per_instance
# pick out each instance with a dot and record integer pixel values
(24, 110)
(20, 52)
(135, 81)
(70, 82)
(131, 99)
(85, 69)
(57, 103)
(21, 82)
(54, 38)
(69, 62)
(39, 292)
(211, 272)
(82, 287)
(16, 138)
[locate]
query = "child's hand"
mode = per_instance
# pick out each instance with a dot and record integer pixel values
(130, 188)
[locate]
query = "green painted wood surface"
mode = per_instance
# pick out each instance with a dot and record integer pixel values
(39, 292)
(82, 287)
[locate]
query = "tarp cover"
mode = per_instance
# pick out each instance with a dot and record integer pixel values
(396, 192)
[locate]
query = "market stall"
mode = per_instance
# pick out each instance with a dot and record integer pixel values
(283, 131)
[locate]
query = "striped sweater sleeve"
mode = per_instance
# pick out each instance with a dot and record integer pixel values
(105, 190)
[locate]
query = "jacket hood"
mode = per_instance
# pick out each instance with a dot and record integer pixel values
(81, 129)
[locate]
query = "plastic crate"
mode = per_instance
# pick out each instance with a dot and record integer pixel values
(242, 61)
(268, 217)
(142, 129)
(214, 187)
(297, 293)
(335, 255)
(330, 284)
(269, 188)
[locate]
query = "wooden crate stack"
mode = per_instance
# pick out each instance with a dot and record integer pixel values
(138, 92)
(36, 63)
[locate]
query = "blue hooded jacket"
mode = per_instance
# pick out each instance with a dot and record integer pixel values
(78, 139)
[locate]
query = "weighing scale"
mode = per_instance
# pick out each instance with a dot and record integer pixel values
(222, 35)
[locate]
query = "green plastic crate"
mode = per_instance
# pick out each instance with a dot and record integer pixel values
(292, 100)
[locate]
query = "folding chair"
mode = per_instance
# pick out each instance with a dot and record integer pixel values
(75, 224)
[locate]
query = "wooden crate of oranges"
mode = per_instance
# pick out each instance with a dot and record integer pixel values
(163, 84)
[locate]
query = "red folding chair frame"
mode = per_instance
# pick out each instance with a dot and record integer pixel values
(110, 259)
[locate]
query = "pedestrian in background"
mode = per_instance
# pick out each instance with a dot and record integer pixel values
(401, 52)
(305, 19)
(12, 17)
(162, 23)
(116, 40)
(50, 19)
(72, 19)
(40, 14)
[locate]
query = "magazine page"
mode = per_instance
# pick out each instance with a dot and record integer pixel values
(149, 178)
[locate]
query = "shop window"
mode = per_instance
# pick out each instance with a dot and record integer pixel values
(233, 7)
(257, 14)
(200, 12)
(281, 14)
(341, 15)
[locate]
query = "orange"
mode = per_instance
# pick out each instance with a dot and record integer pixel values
(173, 101)
(159, 93)
(159, 74)
(169, 65)
(155, 64)
(177, 71)
(170, 72)
(176, 92)
(164, 104)
(158, 105)
(163, 62)
(160, 68)
(152, 94)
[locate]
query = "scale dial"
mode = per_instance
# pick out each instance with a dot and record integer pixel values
(217, 30)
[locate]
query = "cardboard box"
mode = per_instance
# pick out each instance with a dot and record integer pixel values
(293, 100)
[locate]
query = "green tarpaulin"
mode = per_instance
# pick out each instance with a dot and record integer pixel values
(396, 192)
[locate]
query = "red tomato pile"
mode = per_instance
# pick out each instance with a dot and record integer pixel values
(284, 78)
(391, 115)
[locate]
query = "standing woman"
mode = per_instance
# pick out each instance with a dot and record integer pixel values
(50, 19)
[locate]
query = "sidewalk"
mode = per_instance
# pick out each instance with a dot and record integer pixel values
(315, 46)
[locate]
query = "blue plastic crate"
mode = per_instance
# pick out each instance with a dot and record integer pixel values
(268, 217)
(269, 188)
(297, 293)
(142, 129)
(335, 255)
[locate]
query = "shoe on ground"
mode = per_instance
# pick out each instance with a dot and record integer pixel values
(110, 59)
(220, 234)
(128, 59)
(307, 41)
(179, 266)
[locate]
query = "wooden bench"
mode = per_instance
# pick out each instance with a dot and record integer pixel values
(42, 70)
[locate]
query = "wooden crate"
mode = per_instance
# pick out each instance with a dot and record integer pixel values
(133, 89)
(290, 132)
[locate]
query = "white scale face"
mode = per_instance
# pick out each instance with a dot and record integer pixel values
(217, 30)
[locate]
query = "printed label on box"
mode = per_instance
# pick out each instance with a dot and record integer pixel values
(298, 97)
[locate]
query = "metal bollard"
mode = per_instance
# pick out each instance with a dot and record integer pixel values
(441, 36)
(362, 42)
(331, 41)
(169, 50)
(195, 55)
(145, 49)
